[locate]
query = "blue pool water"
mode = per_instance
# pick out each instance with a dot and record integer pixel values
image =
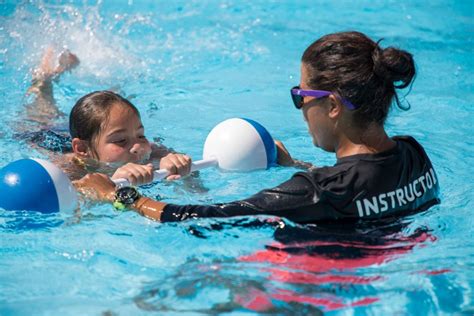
(189, 65)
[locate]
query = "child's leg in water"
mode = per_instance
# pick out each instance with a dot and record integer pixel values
(43, 109)
(39, 128)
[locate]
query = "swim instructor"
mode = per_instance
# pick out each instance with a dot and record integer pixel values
(347, 86)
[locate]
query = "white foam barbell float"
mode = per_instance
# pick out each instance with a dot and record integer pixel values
(236, 144)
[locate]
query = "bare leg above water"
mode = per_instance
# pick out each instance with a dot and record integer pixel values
(43, 109)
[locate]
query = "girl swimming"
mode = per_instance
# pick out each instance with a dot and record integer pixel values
(106, 132)
(107, 128)
(346, 88)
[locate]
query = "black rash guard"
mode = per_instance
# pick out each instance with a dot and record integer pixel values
(393, 183)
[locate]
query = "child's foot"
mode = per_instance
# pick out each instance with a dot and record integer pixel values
(67, 61)
(47, 71)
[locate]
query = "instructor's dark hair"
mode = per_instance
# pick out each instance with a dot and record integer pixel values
(358, 69)
(91, 112)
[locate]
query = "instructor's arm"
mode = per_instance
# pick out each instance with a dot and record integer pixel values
(98, 186)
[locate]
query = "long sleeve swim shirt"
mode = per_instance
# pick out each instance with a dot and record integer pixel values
(365, 186)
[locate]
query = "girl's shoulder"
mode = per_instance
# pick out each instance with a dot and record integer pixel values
(69, 165)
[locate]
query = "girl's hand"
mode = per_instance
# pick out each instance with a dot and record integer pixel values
(136, 174)
(283, 156)
(96, 186)
(177, 164)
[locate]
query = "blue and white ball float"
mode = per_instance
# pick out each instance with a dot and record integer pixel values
(240, 144)
(36, 185)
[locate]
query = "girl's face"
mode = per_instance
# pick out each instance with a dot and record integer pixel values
(122, 138)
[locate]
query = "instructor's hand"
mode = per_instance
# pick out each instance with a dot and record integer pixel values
(283, 156)
(96, 186)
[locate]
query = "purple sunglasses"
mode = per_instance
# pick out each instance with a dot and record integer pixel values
(298, 94)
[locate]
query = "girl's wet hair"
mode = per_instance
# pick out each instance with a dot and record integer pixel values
(91, 113)
(358, 69)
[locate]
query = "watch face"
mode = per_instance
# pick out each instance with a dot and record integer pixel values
(127, 195)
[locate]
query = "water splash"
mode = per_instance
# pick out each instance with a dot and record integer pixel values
(95, 37)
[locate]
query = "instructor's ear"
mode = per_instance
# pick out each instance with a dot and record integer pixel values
(80, 147)
(335, 108)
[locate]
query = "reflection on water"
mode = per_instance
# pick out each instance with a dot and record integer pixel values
(307, 270)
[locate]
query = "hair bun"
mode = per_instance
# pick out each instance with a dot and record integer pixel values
(394, 65)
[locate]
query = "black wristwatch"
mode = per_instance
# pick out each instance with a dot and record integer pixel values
(125, 197)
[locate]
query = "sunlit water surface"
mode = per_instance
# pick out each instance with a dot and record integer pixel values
(188, 65)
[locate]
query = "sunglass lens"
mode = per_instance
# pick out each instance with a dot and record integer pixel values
(297, 99)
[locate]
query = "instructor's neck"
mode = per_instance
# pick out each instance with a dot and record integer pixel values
(372, 140)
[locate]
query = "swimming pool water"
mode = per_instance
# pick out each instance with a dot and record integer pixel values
(188, 65)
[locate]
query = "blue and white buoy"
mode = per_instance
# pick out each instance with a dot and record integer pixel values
(36, 185)
(240, 144)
